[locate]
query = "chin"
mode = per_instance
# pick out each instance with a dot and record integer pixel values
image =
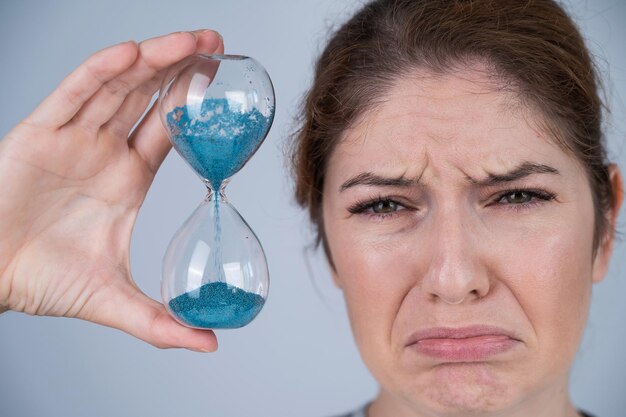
(462, 389)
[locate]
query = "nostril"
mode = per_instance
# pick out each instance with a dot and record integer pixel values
(453, 296)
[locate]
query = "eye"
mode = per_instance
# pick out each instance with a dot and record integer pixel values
(524, 198)
(384, 207)
(379, 207)
(517, 197)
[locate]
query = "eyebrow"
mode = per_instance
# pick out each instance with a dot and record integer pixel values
(521, 171)
(371, 179)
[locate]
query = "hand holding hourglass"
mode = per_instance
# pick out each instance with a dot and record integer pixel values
(73, 181)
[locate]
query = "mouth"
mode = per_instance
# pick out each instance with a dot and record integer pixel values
(465, 344)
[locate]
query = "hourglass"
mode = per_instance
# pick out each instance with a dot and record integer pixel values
(217, 111)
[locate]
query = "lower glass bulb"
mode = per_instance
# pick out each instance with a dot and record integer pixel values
(215, 272)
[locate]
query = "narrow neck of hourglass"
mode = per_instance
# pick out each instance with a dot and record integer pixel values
(218, 195)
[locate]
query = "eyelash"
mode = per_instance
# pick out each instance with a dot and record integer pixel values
(367, 207)
(537, 197)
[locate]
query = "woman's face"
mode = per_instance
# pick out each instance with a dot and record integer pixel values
(461, 236)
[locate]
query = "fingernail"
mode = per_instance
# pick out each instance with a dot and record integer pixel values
(203, 350)
(180, 32)
(209, 30)
(200, 350)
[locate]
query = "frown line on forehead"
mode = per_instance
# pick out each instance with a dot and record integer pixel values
(517, 173)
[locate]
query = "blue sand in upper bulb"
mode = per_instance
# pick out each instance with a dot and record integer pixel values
(218, 141)
(217, 305)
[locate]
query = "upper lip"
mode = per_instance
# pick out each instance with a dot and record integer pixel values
(459, 333)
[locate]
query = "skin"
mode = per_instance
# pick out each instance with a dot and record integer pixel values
(442, 248)
(73, 178)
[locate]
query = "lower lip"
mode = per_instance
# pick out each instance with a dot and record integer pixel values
(469, 349)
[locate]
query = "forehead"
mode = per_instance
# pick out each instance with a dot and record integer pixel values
(463, 120)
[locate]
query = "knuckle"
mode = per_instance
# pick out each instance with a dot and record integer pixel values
(119, 87)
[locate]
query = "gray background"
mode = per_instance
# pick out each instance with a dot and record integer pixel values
(297, 358)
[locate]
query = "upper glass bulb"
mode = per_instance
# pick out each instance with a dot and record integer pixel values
(217, 110)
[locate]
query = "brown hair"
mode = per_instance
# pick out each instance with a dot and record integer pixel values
(531, 45)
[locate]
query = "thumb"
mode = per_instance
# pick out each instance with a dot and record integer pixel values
(142, 317)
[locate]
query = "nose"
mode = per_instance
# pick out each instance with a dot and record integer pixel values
(457, 272)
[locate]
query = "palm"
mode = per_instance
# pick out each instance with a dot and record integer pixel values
(73, 184)
(77, 218)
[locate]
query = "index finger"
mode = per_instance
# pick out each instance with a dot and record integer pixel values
(78, 87)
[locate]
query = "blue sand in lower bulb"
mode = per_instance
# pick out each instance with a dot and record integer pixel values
(217, 305)
(218, 140)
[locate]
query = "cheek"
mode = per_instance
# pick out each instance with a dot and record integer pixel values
(541, 278)
(551, 278)
(375, 276)
(553, 288)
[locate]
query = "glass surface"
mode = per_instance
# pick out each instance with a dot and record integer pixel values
(217, 111)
